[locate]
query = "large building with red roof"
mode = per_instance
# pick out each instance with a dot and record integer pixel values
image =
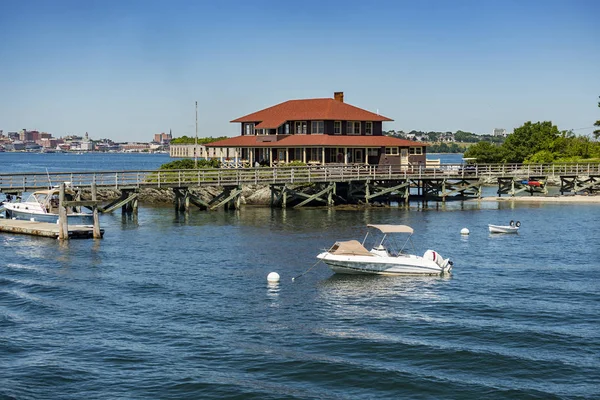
(319, 131)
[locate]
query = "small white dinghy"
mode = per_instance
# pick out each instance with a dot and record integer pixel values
(511, 228)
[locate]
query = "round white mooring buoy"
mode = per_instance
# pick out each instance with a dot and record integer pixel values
(464, 231)
(273, 277)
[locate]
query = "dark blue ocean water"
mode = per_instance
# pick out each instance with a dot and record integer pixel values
(178, 307)
(66, 162)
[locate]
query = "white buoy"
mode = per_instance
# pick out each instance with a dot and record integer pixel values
(273, 277)
(464, 231)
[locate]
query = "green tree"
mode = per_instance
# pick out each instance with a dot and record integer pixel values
(597, 131)
(485, 152)
(541, 157)
(529, 139)
(465, 137)
(188, 163)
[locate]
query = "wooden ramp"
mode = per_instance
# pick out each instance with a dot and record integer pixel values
(45, 229)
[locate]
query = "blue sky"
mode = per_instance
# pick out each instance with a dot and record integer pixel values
(128, 69)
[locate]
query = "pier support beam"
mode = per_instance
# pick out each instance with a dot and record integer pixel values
(383, 190)
(515, 185)
(283, 195)
(96, 234)
(576, 183)
(63, 228)
(229, 198)
(127, 196)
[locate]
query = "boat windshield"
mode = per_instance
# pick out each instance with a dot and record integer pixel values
(37, 197)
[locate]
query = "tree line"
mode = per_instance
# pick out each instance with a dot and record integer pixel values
(458, 136)
(539, 142)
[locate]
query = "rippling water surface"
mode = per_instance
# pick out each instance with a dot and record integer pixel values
(177, 307)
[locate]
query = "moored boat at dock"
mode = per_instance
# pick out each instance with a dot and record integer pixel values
(42, 206)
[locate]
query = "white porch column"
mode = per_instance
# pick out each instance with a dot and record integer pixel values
(366, 156)
(345, 155)
(304, 155)
(270, 154)
(287, 155)
(322, 155)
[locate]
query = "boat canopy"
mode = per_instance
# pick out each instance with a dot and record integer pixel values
(392, 228)
(349, 248)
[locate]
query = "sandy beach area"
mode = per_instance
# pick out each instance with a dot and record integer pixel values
(545, 199)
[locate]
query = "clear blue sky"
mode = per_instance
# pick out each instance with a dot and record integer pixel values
(128, 69)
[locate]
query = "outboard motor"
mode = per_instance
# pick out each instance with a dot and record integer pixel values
(444, 264)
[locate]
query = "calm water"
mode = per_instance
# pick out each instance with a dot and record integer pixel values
(177, 307)
(61, 162)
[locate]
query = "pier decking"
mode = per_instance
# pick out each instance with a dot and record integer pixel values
(358, 182)
(45, 229)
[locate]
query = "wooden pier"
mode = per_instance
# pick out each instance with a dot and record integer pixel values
(45, 229)
(323, 185)
(60, 229)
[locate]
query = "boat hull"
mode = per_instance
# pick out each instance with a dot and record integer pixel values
(503, 229)
(72, 219)
(409, 265)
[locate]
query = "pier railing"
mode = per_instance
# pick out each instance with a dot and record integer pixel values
(282, 174)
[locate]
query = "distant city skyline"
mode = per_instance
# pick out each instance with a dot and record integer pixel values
(129, 70)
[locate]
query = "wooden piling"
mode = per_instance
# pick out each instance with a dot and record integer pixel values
(96, 233)
(63, 227)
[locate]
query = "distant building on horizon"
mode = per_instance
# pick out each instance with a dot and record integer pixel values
(500, 132)
(29, 136)
(163, 138)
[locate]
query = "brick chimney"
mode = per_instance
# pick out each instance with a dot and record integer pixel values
(339, 96)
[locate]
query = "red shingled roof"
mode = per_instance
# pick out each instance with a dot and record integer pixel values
(314, 141)
(309, 110)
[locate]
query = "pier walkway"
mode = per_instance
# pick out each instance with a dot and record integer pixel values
(280, 175)
(328, 184)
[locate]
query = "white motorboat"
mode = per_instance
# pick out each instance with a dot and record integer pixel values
(352, 257)
(42, 206)
(510, 228)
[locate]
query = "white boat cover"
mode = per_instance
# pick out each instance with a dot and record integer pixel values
(392, 228)
(350, 248)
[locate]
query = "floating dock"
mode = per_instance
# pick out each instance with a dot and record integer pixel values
(45, 229)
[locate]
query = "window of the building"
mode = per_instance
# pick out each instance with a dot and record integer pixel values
(317, 127)
(368, 128)
(298, 154)
(314, 154)
(373, 152)
(301, 127)
(249, 129)
(337, 127)
(332, 153)
(415, 150)
(391, 151)
(353, 127)
(287, 128)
